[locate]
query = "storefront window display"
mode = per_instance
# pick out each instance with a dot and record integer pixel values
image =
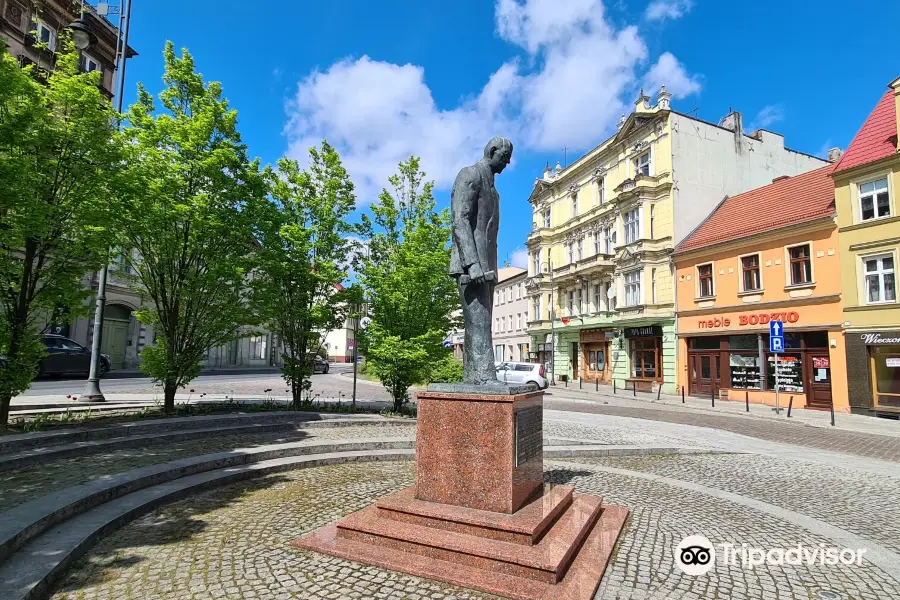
(886, 375)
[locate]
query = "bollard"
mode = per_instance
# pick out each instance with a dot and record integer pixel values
(832, 414)
(713, 395)
(682, 394)
(658, 392)
(614, 385)
(579, 383)
(597, 384)
(747, 400)
(567, 381)
(790, 405)
(634, 388)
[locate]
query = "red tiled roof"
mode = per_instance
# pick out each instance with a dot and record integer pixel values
(876, 139)
(804, 197)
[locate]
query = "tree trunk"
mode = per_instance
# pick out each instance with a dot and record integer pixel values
(5, 400)
(398, 404)
(169, 389)
(12, 362)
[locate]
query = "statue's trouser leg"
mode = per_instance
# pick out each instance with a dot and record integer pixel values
(478, 355)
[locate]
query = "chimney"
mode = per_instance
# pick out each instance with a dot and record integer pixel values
(895, 84)
(781, 178)
(835, 155)
(734, 122)
(662, 99)
(642, 103)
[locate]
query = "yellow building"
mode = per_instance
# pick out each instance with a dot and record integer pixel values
(867, 183)
(601, 293)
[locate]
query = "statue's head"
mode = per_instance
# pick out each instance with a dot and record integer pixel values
(498, 153)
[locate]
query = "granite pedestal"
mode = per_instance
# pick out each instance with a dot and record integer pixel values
(480, 515)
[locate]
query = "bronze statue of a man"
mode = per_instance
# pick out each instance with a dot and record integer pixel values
(475, 209)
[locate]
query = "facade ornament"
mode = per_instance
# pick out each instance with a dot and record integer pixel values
(573, 188)
(663, 98)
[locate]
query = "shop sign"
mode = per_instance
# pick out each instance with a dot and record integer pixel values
(892, 362)
(821, 362)
(872, 339)
(643, 332)
(751, 319)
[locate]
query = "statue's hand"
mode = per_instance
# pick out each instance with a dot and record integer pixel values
(476, 274)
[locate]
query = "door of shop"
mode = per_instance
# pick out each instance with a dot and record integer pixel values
(705, 375)
(818, 367)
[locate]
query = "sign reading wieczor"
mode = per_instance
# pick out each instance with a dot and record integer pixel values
(529, 433)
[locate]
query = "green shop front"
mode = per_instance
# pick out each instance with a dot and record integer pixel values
(643, 357)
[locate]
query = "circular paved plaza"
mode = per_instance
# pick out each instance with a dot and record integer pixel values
(234, 541)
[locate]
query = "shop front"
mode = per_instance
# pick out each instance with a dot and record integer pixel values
(645, 349)
(727, 356)
(595, 361)
(873, 369)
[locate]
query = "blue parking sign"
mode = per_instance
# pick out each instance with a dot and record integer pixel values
(776, 344)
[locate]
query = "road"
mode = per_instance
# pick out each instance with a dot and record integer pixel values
(335, 383)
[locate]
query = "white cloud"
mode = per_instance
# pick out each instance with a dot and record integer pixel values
(660, 10)
(772, 113)
(575, 75)
(671, 73)
(519, 258)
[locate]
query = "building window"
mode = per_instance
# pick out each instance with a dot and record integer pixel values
(705, 280)
(653, 286)
(610, 240)
(571, 247)
(536, 262)
(89, 64)
(645, 354)
(601, 191)
(509, 326)
(45, 34)
(509, 294)
(575, 204)
(886, 375)
(547, 218)
(536, 306)
(579, 301)
(549, 306)
(632, 226)
(598, 297)
(597, 245)
(642, 164)
(580, 243)
(750, 273)
(518, 321)
(874, 202)
(571, 303)
(801, 265)
(633, 288)
(518, 291)
(652, 217)
(879, 272)
(258, 347)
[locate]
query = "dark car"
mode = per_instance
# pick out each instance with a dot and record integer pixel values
(320, 365)
(65, 357)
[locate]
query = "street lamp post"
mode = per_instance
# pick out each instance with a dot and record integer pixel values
(83, 38)
(549, 266)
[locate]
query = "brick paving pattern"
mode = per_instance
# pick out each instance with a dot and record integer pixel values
(234, 542)
(867, 445)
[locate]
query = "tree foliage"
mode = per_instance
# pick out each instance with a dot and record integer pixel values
(58, 160)
(404, 270)
(302, 259)
(189, 217)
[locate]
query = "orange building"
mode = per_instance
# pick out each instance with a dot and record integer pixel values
(770, 254)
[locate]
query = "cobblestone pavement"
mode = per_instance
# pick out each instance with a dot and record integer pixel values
(21, 485)
(858, 502)
(234, 542)
(862, 444)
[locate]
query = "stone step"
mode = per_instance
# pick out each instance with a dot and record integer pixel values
(25, 441)
(30, 573)
(26, 521)
(526, 526)
(547, 561)
(40, 455)
(579, 583)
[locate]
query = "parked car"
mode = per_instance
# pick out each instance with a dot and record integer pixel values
(531, 374)
(65, 357)
(320, 365)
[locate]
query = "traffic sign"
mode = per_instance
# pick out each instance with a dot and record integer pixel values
(351, 344)
(776, 328)
(776, 344)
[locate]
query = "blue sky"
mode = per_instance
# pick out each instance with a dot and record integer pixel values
(381, 80)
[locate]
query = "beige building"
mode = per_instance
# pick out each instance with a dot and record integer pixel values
(510, 333)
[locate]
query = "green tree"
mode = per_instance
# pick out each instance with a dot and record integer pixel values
(404, 270)
(190, 220)
(58, 157)
(302, 259)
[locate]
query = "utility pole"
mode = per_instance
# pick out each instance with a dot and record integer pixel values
(92, 392)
